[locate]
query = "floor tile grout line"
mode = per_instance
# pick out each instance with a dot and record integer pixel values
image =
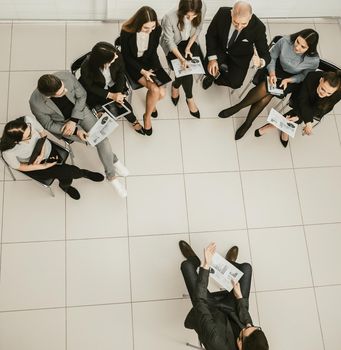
(245, 214)
(308, 253)
(132, 302)
(173, 233)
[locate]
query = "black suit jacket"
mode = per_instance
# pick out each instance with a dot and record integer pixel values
(306, 100)
(133, 63)
(241, 51)
(94, 82)
(214, 326)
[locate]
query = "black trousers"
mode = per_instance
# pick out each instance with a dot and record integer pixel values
(223, 298)
(95, 100)
(187, 81)
(65, 173)
(232, 73)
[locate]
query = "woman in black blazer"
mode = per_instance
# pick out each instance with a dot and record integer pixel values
(317, 96)
(102, 76)
(140, 37)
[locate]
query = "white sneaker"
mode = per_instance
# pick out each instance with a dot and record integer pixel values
(121, 169)
(120, 189)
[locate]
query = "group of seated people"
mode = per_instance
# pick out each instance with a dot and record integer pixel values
(62, 106)
(235, 37)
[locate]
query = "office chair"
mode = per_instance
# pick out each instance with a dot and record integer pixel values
(255, 79)
(63, 153)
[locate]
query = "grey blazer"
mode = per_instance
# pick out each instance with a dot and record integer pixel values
(49, 115)
(171, 35)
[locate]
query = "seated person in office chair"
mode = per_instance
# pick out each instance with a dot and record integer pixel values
(102, 76)
(140, 36)
(221, 319)
(231, 40)
(17, 144)
(316, 96)
(292, 58)
(59, 104)
(180, 40)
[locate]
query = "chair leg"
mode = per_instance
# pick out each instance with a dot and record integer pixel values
(246, 87)
(232, 92)
(194, 346)
(51, 191)
(11, 173)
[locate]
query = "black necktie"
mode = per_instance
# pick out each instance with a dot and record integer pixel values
(232, 39)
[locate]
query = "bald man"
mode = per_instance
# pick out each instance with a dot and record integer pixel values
(234, 38)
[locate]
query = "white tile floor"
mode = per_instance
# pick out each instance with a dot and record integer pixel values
(104, 273)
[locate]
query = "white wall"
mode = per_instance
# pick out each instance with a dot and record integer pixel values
(121, 9)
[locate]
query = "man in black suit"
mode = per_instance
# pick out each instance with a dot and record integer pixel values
(234, 37)
(221, 319)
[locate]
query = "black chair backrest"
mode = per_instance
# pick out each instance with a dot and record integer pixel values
(327, 66)
(274, 41)
(78, 62)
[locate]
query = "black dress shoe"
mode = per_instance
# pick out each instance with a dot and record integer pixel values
(284, 143)
(241, 131)
(139, 131)
(175, 100)
(72, 192)
(232, 254)
(194, 114)
(207, 82)
(257, 133)
(97, 177)
(154, 114)
(187, 251)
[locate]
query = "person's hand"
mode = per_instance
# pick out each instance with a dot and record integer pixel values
(188, 53)
(256, 60)
(284, 83)
(68, 128)
(236, 289)
(148, 74)
(38, 159)
(208, 253)
(82, 134)
(184, 63)
(272, 78)
(49, 165)
(117, 97)
(213, 67)
(292, 118)
(308, 129)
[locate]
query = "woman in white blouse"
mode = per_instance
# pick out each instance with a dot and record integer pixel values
(179, 39)
(17, 144)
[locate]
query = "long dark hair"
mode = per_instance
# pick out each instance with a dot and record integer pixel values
(101, 54)
(143, 15)
(13, 133)
(326, 104)
(186, 6)
(312, 39)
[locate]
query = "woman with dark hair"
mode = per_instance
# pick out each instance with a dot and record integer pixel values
(292, 58)
(316, 96)
(179, 39)
(17, 144)
(102, 75)
(139, 39)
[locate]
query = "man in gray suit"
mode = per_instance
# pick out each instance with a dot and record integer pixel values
(59, 105)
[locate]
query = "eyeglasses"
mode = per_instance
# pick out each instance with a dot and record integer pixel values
(241, 336)
(30, 134)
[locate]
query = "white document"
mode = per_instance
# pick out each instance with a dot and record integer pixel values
(103, 128)
(223, 272)
(280, 122)
(195, 67)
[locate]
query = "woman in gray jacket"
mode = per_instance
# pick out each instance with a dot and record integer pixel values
(181, 29)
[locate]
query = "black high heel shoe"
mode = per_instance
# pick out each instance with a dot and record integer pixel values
(175, 100)
(284, 143)
(147, 132)
(154, 114)
(194, 114)
(139, 131)
(257, 133)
